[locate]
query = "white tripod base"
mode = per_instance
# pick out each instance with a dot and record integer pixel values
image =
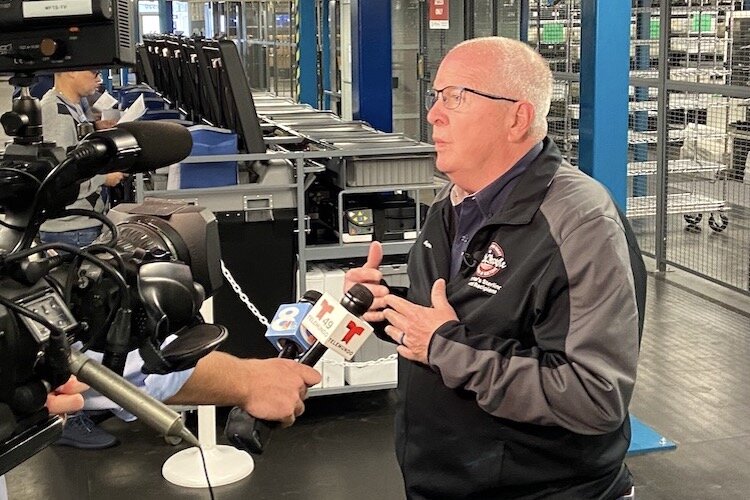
(225, 464)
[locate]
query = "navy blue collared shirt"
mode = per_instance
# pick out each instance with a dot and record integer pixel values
(475, 209)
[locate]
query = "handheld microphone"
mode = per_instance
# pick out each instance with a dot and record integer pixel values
(152, 412)
(336, 326)
(285, 330)
(133, 147)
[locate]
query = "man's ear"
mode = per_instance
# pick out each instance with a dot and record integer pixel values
(523, 119)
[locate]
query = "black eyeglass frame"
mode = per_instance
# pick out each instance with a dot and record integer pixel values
(431, 96)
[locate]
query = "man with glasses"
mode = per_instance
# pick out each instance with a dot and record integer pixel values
(520, 332)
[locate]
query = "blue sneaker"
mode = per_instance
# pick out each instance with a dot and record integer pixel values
(81, 432)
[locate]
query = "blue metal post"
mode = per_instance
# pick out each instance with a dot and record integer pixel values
(605, 55)
(308, 71)
(326, 54)
(524, 18)
(107, 80)
(166, 20)
(372, 92)
(124, 76)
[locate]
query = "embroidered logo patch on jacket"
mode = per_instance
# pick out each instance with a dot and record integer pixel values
(492, 263)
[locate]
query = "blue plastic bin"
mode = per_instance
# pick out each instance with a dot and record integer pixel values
(128, 96)
(162, 114)
(210, 141)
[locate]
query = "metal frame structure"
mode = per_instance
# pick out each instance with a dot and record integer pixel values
(305, 163)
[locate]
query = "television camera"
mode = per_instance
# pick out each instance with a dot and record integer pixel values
(142, 281)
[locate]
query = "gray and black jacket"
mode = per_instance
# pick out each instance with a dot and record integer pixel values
(526, 395)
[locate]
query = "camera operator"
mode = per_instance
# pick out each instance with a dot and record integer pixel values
(65, 399)
(66, 117)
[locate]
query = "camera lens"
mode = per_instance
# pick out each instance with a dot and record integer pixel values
(153, 236)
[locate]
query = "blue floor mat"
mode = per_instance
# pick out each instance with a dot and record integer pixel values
(646, 440)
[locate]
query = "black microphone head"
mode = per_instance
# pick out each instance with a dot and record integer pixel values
(358, 299)
(311, 296)
(162, 144)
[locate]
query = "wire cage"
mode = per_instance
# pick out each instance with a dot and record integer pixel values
(687, 170)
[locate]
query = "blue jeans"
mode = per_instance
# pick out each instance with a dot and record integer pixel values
(79, 238)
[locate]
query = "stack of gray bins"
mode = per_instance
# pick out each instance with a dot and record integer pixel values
(403, 162)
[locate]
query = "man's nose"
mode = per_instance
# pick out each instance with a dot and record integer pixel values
(436, 114)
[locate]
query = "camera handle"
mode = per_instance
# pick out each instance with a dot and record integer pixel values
(24, 121)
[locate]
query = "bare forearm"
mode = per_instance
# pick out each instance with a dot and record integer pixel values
(214, 381)
(266, 388)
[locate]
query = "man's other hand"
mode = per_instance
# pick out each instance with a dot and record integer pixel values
(370, 276)
(412, 326)
(104, 124)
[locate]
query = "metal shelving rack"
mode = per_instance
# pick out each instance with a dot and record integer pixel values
(303, 165)
(688, 114)
(241, 197)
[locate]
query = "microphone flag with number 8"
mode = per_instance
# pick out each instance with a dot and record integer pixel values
(285, 326)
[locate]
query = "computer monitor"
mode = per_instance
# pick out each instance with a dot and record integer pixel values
(239, 99)
(207, 81)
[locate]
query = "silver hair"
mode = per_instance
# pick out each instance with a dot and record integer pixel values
(513, 69)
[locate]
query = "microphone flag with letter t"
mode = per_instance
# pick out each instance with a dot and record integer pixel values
(335, 327)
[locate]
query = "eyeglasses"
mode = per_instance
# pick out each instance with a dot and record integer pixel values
(452, 96)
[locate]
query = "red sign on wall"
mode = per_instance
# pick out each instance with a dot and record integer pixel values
(438, 15)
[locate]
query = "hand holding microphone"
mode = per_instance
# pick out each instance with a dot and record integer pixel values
(285, 332)
(335, 326)
(273, 389)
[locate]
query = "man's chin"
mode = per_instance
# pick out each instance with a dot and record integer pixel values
(444, 167)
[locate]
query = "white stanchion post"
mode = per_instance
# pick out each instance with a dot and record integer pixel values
(225, 464)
